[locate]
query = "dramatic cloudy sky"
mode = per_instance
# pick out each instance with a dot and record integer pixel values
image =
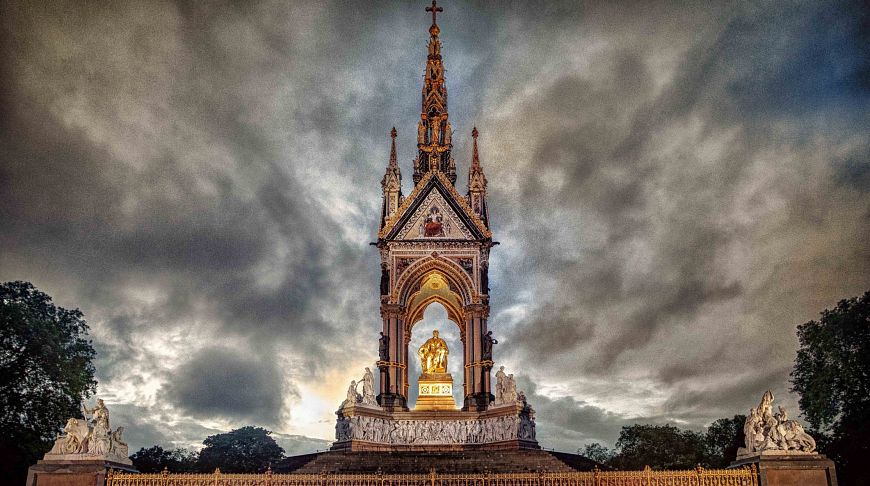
(675, 187)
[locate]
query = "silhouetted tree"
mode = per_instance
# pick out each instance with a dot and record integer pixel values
(155, 459)
(248, 449)
(45, 373)
(597, 452)
(832, 375)
(723, 438)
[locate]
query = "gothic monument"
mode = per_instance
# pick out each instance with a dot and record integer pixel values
(434, 245)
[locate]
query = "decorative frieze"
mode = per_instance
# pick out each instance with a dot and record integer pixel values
(389, 431)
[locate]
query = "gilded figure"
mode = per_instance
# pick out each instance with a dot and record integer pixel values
(433, 355)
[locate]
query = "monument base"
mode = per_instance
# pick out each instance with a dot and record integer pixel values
(81, 472)
(778, 468)
(366, 428)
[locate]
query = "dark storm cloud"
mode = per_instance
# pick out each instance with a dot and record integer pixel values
(675, 186)
(222, 382)
(193, 228)
(638, 208)
(144, 428)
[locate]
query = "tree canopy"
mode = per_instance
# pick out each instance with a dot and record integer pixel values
(832, 375)
(45, 373)
(659, 446)
(668, 447)
(156, 459)
(248, 449)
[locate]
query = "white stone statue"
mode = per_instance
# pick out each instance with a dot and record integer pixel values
(368, 394)
(766, 431)
(353, 396)
(88, 439)
(500, 377)
(510, 392)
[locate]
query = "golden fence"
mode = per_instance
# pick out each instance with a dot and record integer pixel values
(647, 477)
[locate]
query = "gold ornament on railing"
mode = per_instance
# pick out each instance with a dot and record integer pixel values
(647, 477)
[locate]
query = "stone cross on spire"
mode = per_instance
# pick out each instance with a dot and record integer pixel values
(434, 9)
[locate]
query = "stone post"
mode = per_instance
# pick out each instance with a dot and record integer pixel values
(780, 468)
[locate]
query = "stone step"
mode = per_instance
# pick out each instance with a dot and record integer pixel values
(464, 462)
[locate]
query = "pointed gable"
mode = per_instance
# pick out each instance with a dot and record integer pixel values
(434, 210)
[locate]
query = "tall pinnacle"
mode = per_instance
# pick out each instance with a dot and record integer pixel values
(393, 160)
(475, 157)
(392, 180)
(434, 132)
(391, 183)
(477, 182)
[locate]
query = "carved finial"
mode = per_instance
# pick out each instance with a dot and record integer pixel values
(474, 133)
(393, 132)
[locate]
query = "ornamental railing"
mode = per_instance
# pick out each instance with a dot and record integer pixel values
(694, 477)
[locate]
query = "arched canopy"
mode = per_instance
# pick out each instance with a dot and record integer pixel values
(434, 288)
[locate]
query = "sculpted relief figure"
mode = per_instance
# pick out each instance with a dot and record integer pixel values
(766, 431)
(432, 432)
(433, 355)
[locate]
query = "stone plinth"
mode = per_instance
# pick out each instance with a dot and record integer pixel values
(435, 392)
(780, 468)
(79, 472)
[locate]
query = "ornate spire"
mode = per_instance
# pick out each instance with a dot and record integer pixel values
(477, 182)
(475, 157)
(393, 159)
(434, 133)
(391, 183)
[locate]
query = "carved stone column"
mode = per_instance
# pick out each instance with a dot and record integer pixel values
(392, 387)
(477, 382)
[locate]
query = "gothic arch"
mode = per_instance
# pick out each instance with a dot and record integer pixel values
(415, 314)
(411, 280)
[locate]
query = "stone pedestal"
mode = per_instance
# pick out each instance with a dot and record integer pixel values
(80, 472)
(779, 468)
(435, 392)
